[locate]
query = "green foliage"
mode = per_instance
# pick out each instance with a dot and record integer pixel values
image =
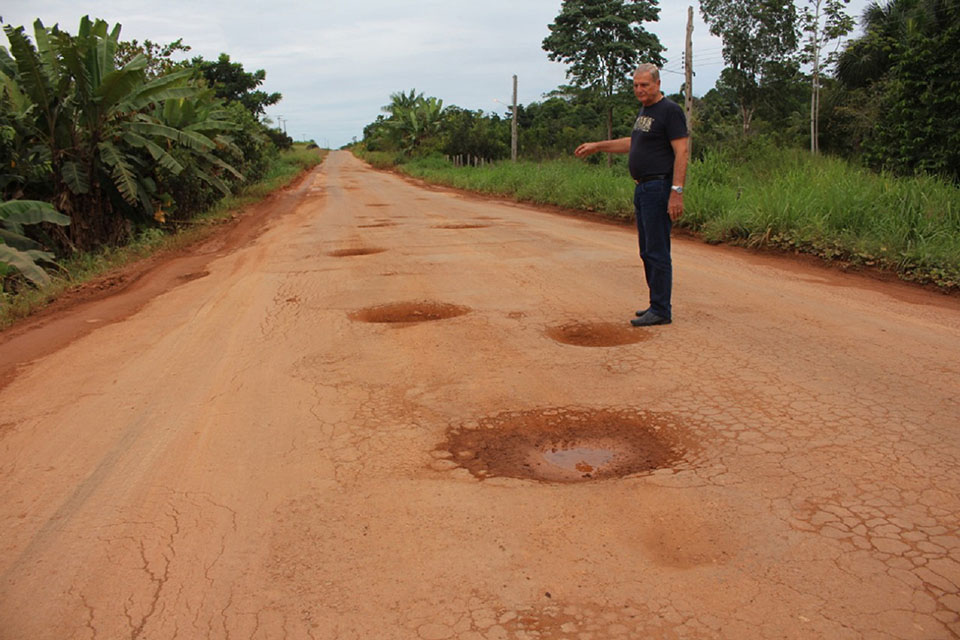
(17, 302)
(117, 135)
(253, 148)
(159, 56)
(758, 194)
(603, 42)
(93, 124)
(19, 251)
(759, 40)
(233, 84)
(279, 138)
(474, 133)
(907, 63)
(413, 127)
(823, 22)
(568, 117)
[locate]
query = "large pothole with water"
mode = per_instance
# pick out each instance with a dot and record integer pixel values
(408, 312)
(597, 334)
(569, 445)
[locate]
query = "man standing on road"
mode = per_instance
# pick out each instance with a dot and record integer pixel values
(658, 164)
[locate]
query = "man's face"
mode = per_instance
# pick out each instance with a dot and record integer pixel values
(646, 88)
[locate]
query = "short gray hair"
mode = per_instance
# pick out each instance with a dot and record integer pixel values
(648, 67)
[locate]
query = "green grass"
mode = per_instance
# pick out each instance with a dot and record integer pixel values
(760, 197)
(87, 266)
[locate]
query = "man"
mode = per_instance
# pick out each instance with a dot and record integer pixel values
(658, 164)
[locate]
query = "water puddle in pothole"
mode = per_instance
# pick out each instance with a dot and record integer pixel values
(570, 444)
(597, 334)
(345, 253)
(409, 312)
(579, 459)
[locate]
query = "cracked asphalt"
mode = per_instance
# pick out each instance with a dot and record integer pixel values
(243, 456)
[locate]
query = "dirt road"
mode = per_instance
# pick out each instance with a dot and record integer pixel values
(408, 413)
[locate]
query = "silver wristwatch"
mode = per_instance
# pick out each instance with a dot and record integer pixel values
(678, 189)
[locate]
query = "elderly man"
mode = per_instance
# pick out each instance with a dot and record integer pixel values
(658, 164)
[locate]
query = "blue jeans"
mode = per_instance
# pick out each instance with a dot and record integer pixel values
(653, 231)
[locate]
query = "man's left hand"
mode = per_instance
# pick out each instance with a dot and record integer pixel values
(675, 206)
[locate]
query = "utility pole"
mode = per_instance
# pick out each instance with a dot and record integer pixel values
(513, 124)
(688, 64)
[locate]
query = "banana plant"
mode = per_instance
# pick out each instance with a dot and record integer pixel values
(19, 251)
(203, 114)
(99, 124)
(417, 122)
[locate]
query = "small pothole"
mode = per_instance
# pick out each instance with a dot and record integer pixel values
(569, 444)
(196, 275)
(346, 253)
(464, 225)
(420, 311)
(597, 334)
(377, 224)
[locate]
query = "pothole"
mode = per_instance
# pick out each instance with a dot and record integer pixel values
(196, 275)
(421, 311)
(464, 225)
(345, 253)
(377, 224)
(569, 444)
(596, 334)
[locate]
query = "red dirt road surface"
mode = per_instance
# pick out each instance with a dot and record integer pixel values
(403, 412)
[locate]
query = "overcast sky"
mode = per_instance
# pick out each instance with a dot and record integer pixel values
(336, 63)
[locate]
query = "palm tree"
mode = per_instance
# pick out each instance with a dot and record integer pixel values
(886, 26)
(401, 102)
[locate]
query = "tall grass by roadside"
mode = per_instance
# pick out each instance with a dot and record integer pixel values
(84, 267)
(760, 196)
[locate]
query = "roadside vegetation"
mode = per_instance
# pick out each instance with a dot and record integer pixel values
(843, 149)
(764, 197)
(83, 267)
(107, 147)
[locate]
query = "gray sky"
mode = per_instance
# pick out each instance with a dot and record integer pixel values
(337, 62)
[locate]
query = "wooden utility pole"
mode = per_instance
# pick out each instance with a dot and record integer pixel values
(688, 68)
(513, 124)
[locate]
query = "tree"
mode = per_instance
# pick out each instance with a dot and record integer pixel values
(401, 101)
(233, 84)
(414, 120)
(159, 56)
(907, 62)
(94, 125)
(475, 133)
(757, 36)
(867, 59)
(824, 21)
(603, 41)
(416, 124)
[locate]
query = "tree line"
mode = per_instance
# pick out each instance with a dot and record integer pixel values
(100, 137)
(889, 98)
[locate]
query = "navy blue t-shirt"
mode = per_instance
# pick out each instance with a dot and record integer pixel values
(650, 150)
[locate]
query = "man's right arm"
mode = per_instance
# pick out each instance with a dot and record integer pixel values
(619, 145)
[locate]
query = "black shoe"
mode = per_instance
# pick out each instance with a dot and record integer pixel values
(642, 311)
(649, 319)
